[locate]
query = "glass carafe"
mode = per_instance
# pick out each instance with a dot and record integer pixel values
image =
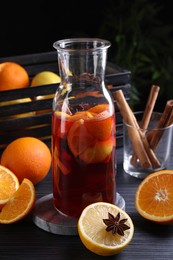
(83, 128)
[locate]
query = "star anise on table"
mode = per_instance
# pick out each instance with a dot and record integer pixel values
(116, 225)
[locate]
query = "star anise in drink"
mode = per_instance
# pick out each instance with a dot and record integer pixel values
(116, 225)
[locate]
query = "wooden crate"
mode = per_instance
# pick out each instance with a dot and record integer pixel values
(39, 125)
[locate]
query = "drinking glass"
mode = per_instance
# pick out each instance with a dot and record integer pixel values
(160, 144)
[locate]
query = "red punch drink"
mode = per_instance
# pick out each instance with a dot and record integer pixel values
(83, 158)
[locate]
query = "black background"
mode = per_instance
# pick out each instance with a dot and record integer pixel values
(32, 26)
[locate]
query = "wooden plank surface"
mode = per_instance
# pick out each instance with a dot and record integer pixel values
(24, 240)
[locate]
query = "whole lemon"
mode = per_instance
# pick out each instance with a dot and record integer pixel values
(44, 78)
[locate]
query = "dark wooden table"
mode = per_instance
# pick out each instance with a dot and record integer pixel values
(24, 240)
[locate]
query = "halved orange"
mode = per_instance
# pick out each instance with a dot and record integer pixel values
(20, 204)
(154, 197)
(9, 184)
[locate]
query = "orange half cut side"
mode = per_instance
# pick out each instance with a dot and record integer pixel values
(154, 197)
(20, 204)
(9, 184)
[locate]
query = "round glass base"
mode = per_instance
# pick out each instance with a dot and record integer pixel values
(46, 217)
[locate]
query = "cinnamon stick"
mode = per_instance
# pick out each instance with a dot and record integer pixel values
(147, 114)
(170, 120)
(152, 156)
(166, 119)
(154, 91)
(133, 131)
(150, 153)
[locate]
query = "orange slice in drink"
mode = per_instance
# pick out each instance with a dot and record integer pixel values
(99, 108)
(63, 167)
(80, 115)
(79, 138)
(90, 137)
(65, 121)
(101, 125)
(97, 152)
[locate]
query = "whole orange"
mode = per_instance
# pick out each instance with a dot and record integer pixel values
(13, 76)
(27, 157)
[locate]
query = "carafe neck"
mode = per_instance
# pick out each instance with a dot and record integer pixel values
(82, 60)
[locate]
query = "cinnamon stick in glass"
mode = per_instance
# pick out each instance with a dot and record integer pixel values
(133, 131)
(170, 120)
(154, 91)
(147, 115)
(166, 119)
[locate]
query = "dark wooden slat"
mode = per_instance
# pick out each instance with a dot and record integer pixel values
(28, 92)
(21, 123)
(26, 107)
(31, 59)
(41, 131)
(35, 63)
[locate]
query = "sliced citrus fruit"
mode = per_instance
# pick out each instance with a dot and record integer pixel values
(20, 204)
(80, 115)
(101, 125)
(104, 239)
(64, 121)
(9, 184)
(99, 108)
(64, 167)
(79, 137)
(97, 152)
(154, 197)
